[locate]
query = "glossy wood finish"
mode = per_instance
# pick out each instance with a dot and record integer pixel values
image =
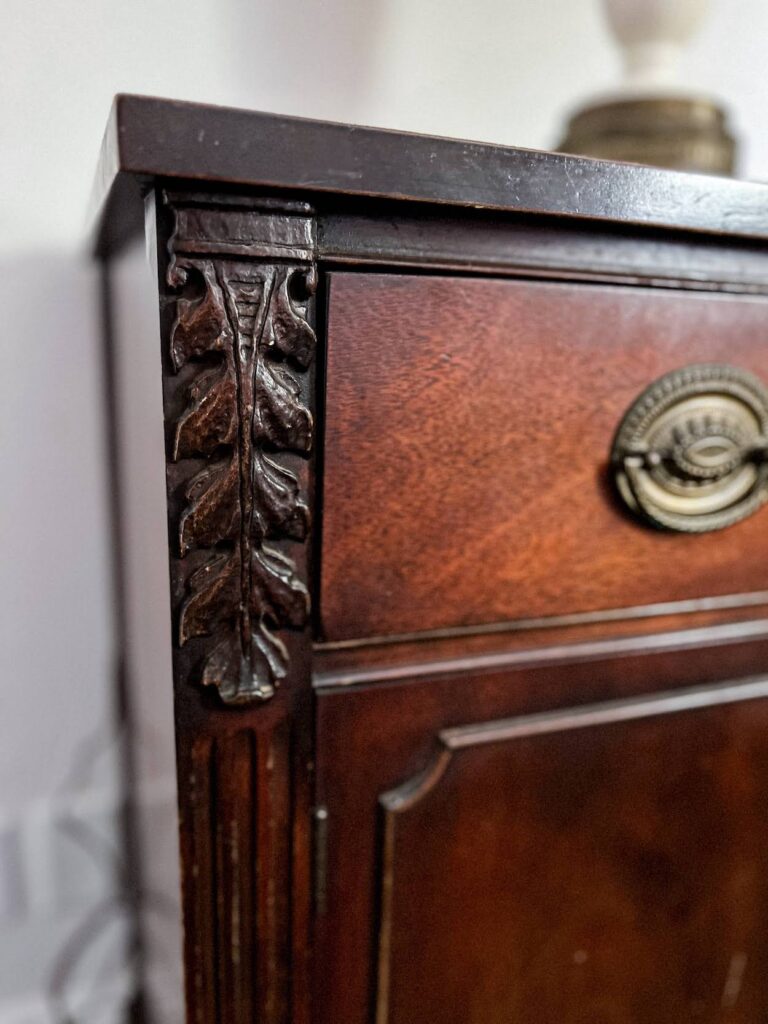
(605, 864)
(423, 655)
(576, 795)
(149, 138)
(407, 235)
(480, 415)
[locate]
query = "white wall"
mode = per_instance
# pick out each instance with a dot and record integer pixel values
(57, 754)
(499, 70)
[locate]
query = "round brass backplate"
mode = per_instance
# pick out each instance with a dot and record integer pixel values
(691, 454)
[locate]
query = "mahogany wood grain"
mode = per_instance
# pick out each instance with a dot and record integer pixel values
(468, 430)
(632, 783)
(562, 869)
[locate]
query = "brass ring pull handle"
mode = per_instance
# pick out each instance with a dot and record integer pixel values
(691, 454)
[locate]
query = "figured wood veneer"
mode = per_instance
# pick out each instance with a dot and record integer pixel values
(469, 426)
(571, 788)
(604, 864)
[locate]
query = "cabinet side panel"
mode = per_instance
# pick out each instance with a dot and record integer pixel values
(144, 627)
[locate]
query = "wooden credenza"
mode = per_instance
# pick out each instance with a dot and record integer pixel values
(466, 453)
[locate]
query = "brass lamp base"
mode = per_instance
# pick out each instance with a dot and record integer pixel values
(681, 133)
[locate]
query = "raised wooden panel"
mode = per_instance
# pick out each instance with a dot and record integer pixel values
(468, 427)
(603, 865)
(373, 739)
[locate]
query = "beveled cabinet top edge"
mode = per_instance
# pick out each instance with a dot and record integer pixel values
(149, 138)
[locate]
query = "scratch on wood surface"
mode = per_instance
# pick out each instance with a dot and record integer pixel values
(734, 980)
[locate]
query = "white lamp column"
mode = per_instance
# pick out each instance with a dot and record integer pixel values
(652, 35)
(652, 116)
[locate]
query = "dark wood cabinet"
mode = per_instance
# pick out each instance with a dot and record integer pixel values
(509, 850)
(466, 453)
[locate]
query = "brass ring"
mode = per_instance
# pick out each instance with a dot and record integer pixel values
(690, 453)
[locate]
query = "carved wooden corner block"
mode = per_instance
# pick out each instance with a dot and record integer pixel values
(242, 276)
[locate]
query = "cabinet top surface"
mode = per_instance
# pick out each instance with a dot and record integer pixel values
(149, 139)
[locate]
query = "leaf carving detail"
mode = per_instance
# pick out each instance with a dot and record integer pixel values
(277, 593)
(210, 419)
(279, 416)
(244, 406)
(287, 330)
(201, 324)
(214, 597)
(278, 508)
(213, 512)
(223, 667)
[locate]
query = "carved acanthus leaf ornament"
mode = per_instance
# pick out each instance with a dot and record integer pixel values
(245, 333)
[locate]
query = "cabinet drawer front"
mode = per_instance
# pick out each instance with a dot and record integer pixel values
(467, 443)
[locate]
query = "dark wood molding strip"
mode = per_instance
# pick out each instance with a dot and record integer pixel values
(700, 604)
(732, 632)
(463, 737)
(607, 713)
(476, 242)
(150, 139)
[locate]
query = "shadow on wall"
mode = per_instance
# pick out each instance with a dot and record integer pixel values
(64, 920)
(59, 778)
